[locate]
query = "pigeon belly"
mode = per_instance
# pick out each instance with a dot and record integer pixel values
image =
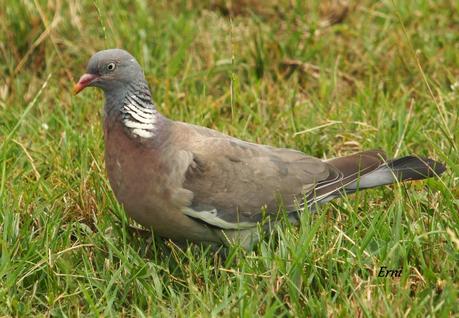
(139, 182)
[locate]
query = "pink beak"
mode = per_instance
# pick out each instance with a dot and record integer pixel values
(85, 80)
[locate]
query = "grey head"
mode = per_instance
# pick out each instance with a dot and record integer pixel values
(127, 96)
(113, 71)
(118, 74)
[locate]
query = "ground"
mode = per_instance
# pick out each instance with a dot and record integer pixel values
(327, 78)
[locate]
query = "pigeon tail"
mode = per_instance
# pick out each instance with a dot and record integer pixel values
(398, 170)
(369, 169)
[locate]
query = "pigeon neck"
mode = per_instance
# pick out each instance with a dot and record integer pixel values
(138, 113)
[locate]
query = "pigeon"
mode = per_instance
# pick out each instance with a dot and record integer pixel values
(190, 183)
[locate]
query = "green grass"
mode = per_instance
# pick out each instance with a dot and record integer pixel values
(384, 77)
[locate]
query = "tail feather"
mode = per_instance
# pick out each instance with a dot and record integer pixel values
(415, 168)
(399, 170)
(370, 169)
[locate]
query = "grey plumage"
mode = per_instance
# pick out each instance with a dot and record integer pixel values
(192, 183)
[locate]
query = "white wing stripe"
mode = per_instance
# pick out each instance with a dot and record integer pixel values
(211, 218)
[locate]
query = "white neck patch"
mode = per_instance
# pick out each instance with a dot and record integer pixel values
(138, 118)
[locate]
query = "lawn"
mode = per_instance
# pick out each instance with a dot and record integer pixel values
(326, 78)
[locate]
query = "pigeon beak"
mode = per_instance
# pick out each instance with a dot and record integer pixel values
(85, 80)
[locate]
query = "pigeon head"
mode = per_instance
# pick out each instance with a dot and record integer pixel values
(111, 70)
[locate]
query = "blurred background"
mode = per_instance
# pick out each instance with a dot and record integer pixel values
(325, 77)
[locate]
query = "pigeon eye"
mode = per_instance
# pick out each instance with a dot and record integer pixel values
(111, 66)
